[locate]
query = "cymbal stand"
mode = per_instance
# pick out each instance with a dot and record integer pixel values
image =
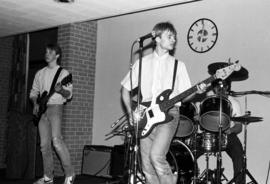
(245, 170)
(195, 165)
(219, 156)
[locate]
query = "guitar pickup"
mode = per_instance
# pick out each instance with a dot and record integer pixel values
(151, 114)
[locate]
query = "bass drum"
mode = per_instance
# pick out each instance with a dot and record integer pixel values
(186, 121)
(213, 109)
(181, 160)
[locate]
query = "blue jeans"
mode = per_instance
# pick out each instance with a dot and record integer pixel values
(50, 133)
(154, 149)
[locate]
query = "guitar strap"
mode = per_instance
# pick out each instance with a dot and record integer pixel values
(54, 80)
(174, 73)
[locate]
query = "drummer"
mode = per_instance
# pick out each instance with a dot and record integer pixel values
(234, 147)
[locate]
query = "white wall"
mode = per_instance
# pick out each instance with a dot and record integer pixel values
(243, 35)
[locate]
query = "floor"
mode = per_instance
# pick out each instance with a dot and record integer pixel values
(81, 179)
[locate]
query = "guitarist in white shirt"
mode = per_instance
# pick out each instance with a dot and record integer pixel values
(157, 76)
(49, 125)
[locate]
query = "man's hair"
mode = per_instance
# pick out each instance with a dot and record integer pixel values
(57, 49)
(159, 28)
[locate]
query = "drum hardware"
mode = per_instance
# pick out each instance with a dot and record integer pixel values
(209, 175)
(242, 93)
(220, 129)
(215, 117)
(122, 128)
(245, 171)
(195, 151)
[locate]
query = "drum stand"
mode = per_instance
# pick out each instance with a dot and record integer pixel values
(218, 172)
(219, 156)
(209, 175)
(195, 165)
(245, 170)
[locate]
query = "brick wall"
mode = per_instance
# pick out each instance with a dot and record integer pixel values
(78, 43)
(5, 63)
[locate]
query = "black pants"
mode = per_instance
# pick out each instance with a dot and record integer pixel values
(235, 151)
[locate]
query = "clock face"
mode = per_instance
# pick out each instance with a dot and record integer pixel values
(202, 35)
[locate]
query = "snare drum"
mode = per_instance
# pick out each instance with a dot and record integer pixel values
(213, 110)
(186, 121)
(210, 142)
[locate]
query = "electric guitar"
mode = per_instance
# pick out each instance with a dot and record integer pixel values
(158, 113)
(43, 99)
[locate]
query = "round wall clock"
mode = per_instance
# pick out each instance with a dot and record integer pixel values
(202, 35)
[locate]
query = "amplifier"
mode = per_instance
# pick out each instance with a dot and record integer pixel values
(96, 160)
(118, 156)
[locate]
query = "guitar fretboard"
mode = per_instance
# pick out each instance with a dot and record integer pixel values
(186, 93)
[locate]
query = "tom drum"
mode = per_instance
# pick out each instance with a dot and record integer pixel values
(213, 111)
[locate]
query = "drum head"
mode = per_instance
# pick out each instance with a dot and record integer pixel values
(186, 121)
(215, 110)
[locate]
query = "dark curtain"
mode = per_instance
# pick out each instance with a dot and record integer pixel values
(21, 132)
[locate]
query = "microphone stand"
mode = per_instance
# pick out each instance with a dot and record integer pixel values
(134, 170)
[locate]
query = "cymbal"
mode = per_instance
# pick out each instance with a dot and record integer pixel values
(246, 118)
(240, 75)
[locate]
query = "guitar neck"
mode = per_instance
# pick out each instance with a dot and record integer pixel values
(186, 93)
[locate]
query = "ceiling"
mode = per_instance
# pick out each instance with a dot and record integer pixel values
(21, 16)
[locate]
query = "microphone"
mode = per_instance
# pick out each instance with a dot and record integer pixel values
(149, 35)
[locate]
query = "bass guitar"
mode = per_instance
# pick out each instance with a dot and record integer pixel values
(43, 99)
(158, 113)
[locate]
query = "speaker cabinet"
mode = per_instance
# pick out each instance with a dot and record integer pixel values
(96, 160)
(117, 161)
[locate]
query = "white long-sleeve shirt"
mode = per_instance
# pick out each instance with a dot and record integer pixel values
(43, 80)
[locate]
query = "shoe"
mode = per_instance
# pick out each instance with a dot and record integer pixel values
(70, 179)
(43, 181)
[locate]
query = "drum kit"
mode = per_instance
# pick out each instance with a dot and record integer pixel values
(203, 133)
(200, 133)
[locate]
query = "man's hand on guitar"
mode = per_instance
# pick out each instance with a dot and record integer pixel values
(137, 115)
(62, 90)
(134, 117)
(201, 88)
(35, 109)
(58, 88)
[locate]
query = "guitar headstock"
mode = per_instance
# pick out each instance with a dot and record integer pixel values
(225, 72)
